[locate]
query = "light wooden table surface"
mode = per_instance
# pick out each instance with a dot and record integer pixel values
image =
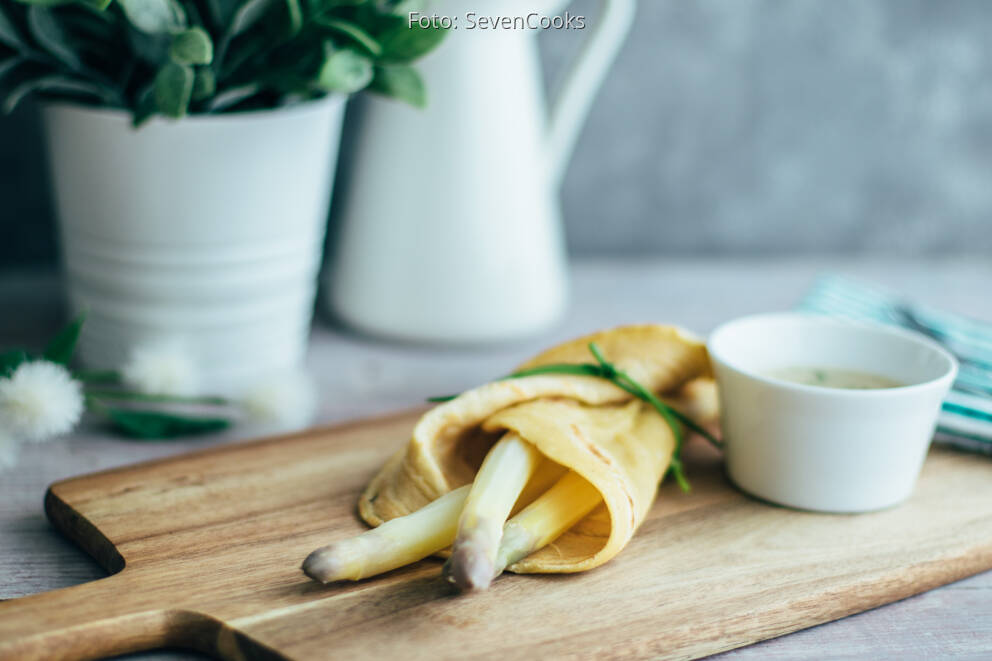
(360, 377)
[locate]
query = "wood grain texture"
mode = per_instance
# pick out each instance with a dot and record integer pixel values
(207, 549)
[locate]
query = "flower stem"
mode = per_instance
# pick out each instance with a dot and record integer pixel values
(95, 406)
(108, 377)
(128, 395)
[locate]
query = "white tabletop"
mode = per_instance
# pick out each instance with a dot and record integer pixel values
(360, 376)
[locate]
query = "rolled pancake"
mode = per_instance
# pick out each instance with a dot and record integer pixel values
(621, 445)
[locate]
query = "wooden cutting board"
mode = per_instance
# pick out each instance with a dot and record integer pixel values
(205, 552)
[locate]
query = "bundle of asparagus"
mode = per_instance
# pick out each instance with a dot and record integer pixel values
(550, 471)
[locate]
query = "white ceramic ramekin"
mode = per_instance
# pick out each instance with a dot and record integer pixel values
(818, 448)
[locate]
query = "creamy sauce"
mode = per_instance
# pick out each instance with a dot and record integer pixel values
(829, 377)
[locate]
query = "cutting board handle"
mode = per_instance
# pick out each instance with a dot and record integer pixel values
(95, 620)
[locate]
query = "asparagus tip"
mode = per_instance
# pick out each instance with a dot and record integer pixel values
(322, 565)
(470, 569)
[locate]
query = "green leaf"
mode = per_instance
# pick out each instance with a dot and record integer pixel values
(49, 34)
(17, 78)
(151, 49)
(154, 16)
(11, 360)
(247, 15)
(204, 84)
(294, 17)
(144, 105)
(46, 3)
(344, 71)
(405, 43)
(62, 85)
(192, 46)
(9, 65)
(153, 424)
(232, 97)
(221, 11)
(91, 29)
(353, 32)
(9, 34)
(98, 5)
(402, 82)
(63, 345)
(174, 89)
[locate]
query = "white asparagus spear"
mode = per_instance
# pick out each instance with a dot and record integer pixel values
(409, 538)
(544, 520)
(545, 477)
(505, 471)
(395, 543)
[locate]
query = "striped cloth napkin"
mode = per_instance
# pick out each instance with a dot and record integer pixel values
(966, 418)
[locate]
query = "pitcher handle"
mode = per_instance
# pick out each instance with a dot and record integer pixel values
(582, 80)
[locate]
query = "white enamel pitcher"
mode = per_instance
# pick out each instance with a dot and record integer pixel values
(450, 228)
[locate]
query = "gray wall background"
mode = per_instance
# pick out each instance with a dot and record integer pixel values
(738, 126)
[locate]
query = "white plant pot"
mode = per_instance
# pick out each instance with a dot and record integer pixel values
(208, 230)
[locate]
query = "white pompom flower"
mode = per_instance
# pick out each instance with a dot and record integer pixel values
(285, 401)
(10, 449)
(162, 368)
(40, 400)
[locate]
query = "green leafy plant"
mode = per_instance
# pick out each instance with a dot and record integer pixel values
(178, 57)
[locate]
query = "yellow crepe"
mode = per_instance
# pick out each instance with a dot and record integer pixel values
(621, 445)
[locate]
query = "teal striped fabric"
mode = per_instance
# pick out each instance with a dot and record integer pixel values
(966, 419)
